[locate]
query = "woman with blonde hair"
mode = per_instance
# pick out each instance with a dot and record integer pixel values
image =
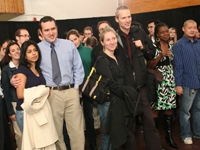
(172, 35)
(110, 64)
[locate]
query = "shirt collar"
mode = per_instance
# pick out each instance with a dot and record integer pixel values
(49, 44)
(186, 39)
(81, 45)
(11, 65)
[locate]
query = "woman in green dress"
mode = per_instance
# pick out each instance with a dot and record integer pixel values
(166, 93)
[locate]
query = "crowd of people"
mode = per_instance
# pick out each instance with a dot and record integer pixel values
(41, 100)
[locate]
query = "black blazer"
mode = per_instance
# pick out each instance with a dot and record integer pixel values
(9, 91)
(106, 66)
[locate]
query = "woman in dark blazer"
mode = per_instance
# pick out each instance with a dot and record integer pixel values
(10, 63)
(110, 65)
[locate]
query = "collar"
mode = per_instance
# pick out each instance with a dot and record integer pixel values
(132, 30)
(11, 65)
(49, 44)
(81, 45)
(122, 33)
(186, 39)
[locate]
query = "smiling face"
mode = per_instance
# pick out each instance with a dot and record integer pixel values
(124, 20)
(49, 31)
(109, 41)
(75, 40)
(14, 52)
(163, 33)
(32, 54)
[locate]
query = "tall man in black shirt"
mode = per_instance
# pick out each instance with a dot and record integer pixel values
(134, 45)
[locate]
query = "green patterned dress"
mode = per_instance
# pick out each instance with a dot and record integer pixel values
(166, 89)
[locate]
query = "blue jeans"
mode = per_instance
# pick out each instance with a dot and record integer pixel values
(190, 100)
(20, 119)
(103, 111)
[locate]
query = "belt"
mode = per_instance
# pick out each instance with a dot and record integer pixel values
(60, 88)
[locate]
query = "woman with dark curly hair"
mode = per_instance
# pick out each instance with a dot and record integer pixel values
(166, 89)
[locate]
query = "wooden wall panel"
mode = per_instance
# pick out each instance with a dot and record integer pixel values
(11, 7)
(140, 6)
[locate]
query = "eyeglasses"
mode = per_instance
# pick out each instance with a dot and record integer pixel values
(26, 36)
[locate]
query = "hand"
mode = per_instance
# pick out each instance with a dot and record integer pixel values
(84, 40)
(179, 90)
(49, 93)
(13, 117)
(138, 44)
(169, 53)
(80, 94)
(15, 81)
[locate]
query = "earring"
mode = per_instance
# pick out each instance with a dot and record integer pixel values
(157, 39)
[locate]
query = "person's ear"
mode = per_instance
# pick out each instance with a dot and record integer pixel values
(183, 29)
(17, 38)
(116, 19)
(102, 43)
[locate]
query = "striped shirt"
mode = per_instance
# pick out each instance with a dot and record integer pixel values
(187, 63)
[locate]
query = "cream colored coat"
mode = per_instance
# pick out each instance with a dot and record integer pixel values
(39, 130)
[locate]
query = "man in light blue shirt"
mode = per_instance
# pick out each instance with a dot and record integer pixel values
(64, 98)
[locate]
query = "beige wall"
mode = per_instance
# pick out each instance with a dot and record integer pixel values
(140, 6)
(72, 9)
(67, 9)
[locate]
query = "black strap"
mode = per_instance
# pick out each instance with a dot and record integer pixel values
(141, 59)
(98, 59)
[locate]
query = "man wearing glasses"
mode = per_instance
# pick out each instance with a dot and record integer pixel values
(22, 35)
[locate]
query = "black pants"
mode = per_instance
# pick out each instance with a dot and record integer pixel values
(5, 138)
(89, 120)
(1, 125)
(151, 135)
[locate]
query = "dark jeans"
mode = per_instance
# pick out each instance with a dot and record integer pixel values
(89, 120)
(151, 135)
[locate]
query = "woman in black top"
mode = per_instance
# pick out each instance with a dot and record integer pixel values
(111, 66)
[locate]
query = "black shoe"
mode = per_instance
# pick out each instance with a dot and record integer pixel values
(93, 147)
(168, 129)
(163, 148)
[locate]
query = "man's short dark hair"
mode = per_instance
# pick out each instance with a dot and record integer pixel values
(154, 21)
(88, 28)
(100, 22)
(45, 19)
(18, 32)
